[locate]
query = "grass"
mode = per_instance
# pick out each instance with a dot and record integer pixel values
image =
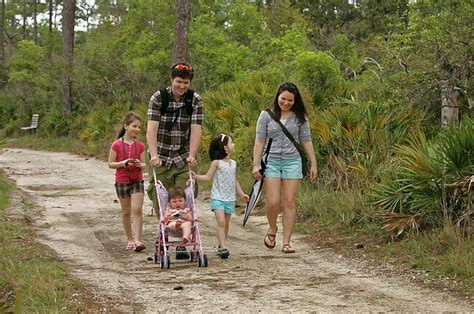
(341, 221)
(32, 280)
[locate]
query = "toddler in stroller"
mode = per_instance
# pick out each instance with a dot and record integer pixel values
(178, 219)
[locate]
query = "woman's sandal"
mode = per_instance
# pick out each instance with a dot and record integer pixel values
(270, 240)
(139, 247)
(287, 249)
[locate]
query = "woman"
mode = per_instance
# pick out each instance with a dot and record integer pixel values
(284, 170)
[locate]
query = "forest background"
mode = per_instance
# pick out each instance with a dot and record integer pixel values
(388, 86)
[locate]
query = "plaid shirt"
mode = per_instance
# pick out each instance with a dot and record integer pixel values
(174, 127)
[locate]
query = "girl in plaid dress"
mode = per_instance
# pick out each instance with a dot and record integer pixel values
(127, 155)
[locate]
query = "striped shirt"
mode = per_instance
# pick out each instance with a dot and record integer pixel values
(174, 127)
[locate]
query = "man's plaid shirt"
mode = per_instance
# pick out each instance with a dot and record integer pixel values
(174, 127)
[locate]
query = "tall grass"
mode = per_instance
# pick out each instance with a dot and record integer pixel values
(31, 280)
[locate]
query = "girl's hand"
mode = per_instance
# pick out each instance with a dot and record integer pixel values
(128, 163)
(246, 198)
(137, 163)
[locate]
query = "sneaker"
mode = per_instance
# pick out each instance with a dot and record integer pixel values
(223, 253)
(181, 253)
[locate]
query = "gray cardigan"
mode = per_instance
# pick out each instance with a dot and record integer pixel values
(282, 147)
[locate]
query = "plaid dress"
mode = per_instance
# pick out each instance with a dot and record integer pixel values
(174, 127)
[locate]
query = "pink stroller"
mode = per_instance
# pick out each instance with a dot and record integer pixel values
(162, 246)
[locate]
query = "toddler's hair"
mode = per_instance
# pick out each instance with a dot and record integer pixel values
(176, 192)
(216, 148)
(128, 119)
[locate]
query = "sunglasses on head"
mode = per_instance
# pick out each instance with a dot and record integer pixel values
(186, 67)
(222, 137)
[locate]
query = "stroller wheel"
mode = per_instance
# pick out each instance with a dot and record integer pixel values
(201, 260)
(165, 262)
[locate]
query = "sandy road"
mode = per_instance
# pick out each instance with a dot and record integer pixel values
(81, 222)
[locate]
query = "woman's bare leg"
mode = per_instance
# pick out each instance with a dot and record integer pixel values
(289, 189)
(273, 203)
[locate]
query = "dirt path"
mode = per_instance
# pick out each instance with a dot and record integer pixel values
(81, 222)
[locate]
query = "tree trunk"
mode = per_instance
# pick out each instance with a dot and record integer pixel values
(181, 31)
(2, 45)
(35, 21)
(69, 10)
(50, 31)
(24, 21)
(449, 105)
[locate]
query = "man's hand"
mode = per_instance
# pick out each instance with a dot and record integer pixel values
(155, 161)
(191, 161)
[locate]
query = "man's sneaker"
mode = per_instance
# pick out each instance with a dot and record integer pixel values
(181, 253)
(223, 253)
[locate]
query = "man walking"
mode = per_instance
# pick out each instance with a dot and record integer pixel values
(174, 129)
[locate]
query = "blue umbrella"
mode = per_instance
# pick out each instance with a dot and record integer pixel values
(254, 194)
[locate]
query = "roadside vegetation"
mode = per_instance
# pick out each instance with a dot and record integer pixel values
(32, 279)
(396, 171)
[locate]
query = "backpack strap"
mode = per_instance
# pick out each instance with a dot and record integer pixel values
(165, 100)
(188, 101)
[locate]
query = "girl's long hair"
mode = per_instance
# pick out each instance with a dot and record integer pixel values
(128, 119)
(298, 107)
(216, 148)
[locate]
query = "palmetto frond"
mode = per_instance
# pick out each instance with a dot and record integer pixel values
(397, 224)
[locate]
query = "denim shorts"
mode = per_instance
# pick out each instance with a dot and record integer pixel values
(284, 169)
(125, 190)
(227, 206)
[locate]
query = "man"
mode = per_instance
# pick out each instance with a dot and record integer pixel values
(174, 129)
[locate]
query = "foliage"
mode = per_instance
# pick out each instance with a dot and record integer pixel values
(433, 182)
(320, 74)
(355, 141)
(431, 51)
(27, 79)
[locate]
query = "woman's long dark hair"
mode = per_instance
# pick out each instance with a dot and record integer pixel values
(298, 107)
(128, 119)
(216, 148)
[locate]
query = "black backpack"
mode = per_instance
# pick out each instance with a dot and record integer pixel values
(188, 101)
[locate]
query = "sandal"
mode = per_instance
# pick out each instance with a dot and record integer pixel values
(130, 246)
(139, 247)
(287, 249)
(223, 253)
(270, 239)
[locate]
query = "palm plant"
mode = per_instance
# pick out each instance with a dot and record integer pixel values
(432, 184)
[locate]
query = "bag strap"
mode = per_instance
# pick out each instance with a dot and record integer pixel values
(284, 129)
